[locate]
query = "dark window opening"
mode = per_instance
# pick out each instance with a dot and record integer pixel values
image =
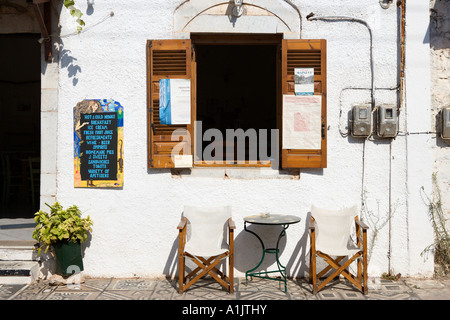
(237, 89)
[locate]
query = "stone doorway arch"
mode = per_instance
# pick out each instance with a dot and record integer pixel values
(258, 16)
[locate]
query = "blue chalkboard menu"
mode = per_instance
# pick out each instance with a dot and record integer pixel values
(98, 134)
(99, 147)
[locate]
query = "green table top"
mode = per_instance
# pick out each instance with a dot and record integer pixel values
(272, 219)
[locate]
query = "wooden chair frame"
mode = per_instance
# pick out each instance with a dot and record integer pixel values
(205, 266)
(360, 280)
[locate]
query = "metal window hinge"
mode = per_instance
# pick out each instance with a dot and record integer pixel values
(323, 130)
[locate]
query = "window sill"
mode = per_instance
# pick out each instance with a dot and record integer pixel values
(236, 173)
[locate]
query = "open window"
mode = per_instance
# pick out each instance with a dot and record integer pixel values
(236, 82)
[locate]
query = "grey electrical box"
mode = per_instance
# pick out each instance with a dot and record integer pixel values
(387, 121)
(361, 121)
(445, 118)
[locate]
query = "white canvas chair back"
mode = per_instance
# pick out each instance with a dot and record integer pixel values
(207, 230)
(333, 230)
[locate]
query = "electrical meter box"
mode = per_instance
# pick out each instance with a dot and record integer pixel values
(361, 125)
(387, 121)
(445, 118)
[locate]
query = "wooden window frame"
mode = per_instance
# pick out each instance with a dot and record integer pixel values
(159, 136)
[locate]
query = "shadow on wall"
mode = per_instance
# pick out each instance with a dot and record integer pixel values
(439, 27)
(248, 252)
(67, 61)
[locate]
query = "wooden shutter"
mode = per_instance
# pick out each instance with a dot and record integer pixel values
(305, 54)
(166, 59)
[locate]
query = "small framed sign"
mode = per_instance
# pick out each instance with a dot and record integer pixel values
(304, 81)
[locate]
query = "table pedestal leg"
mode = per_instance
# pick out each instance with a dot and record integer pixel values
(281, 268)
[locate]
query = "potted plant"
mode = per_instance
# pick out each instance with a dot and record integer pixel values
(62, 231)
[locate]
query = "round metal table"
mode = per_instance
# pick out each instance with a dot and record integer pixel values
(272, 220)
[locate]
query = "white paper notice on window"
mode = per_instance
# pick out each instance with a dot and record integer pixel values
(302, 122)
(180, 90)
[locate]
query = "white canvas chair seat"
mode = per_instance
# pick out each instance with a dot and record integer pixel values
(205, 244)
(201, 250)
(330, 233)
(349, 250)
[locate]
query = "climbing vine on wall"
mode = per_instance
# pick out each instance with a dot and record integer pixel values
(441, 246)
(75, 12)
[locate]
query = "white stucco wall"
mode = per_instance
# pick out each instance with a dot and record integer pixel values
(417, 107)
(134, 231)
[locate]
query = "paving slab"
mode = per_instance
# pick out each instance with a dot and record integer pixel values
(430, 289)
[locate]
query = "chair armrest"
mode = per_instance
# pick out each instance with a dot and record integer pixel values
(231, 224)
(362, 224)
(361, 240)
(182, 224)
(312, 224)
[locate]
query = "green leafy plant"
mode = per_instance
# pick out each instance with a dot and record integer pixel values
(60, 225)
(75, 12)
(390, 276)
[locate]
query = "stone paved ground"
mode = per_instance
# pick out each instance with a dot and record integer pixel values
(259, 299)
(255, 289)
